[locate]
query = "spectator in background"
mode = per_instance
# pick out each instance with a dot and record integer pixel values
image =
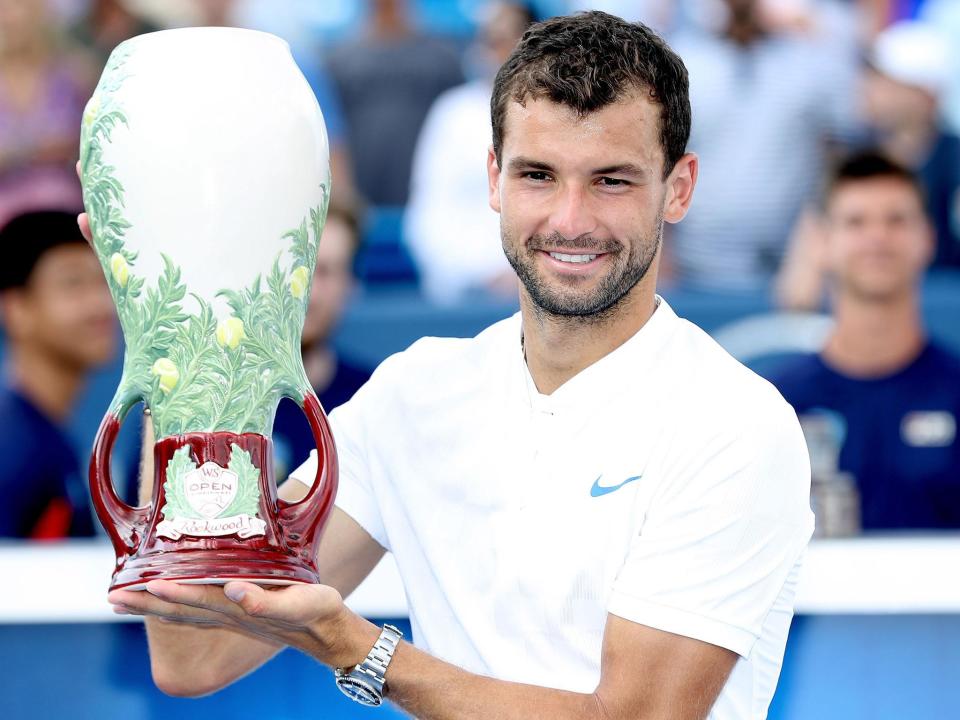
(449, 226)
(60, 323)
(44, 84)
(335, 379)
(387, 81)
(909, 72)
(892, 394)
(766, 104)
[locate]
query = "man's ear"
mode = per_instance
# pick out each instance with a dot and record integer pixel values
(493, 179)
(680, 186)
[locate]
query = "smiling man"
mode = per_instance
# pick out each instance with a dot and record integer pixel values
(596, 512)
(890, 394)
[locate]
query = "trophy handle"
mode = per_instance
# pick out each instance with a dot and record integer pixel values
(122, 522)
(301, 521)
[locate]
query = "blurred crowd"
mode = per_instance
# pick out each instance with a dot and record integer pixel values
(823, 127)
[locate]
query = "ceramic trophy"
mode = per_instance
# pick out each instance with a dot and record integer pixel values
(205, 171)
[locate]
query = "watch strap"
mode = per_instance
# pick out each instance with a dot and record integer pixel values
(379, 657)
(366, 682)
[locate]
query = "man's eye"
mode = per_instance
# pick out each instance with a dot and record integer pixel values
(612, 182)
(538, 176)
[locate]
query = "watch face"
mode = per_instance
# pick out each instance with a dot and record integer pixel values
(358, 690)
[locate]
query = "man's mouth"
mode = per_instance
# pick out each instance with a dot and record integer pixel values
(576, 259)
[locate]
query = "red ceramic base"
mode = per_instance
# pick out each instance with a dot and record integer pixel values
(203, 566)
(281, 550)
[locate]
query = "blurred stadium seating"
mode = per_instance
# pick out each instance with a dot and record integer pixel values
(384, 259)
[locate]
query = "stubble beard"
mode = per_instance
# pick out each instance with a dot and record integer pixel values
(599, 304)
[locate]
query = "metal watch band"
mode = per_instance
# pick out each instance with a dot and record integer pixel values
(380, 656)
(365, 682)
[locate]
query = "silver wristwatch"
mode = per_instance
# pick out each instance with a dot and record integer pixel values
(365, 682)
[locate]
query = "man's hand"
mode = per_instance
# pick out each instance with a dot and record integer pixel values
(83, 220)
(311, 618)
(646, 673)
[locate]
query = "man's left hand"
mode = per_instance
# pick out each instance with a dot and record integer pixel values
(312, 618)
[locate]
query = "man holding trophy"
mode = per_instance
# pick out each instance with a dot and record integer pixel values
(595, 511)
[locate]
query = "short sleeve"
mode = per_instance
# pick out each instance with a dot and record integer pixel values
(355, 492)
(722, 534)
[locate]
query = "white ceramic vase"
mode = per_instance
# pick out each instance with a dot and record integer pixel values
(205, 171)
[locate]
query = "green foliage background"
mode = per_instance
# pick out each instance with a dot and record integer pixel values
(215, 387)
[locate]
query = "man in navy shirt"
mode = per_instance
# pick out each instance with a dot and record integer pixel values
(333, 378)
(59, 323)
(891, 395)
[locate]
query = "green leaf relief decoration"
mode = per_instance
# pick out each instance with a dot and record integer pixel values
(247, 500)
(176, 502)
(196, 373)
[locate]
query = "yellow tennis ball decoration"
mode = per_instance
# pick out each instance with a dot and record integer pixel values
(230, 332)
(167, 371)
(299, 282)
(119, 269)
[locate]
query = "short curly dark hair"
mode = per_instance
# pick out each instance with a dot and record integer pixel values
(590, 60)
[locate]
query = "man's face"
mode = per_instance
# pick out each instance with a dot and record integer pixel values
(332, 281)
(879, 240)
(581, 202)
(65, 310)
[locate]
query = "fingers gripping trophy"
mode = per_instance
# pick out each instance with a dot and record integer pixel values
(205, 171)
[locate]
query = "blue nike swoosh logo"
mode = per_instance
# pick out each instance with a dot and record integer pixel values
(598, 490)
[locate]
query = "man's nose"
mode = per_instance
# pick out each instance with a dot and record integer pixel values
(571, 215)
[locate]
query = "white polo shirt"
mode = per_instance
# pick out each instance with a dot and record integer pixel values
(666, 484)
